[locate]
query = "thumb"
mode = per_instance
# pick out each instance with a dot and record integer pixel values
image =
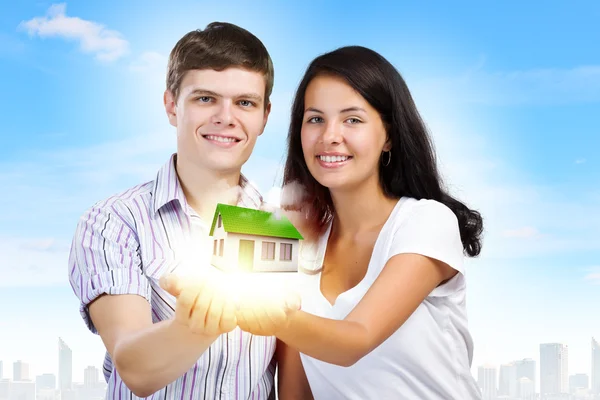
(293, 303)
(171, 283)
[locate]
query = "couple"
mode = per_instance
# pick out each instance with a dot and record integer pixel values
(383, 307)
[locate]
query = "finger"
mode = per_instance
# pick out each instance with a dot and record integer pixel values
(293, 303)
(270, 318)
(247, 311)
(171, 284)
(276, 316)
(213, 314)
(185, 303)
(241, 320)
(198, 316)
(228, 318)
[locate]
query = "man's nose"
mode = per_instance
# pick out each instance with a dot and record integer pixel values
(223, 114)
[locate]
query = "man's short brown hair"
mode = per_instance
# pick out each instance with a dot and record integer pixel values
(219, 46)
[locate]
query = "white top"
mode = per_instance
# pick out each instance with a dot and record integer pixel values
(430, 356)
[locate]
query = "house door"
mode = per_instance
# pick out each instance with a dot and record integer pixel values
(246, 255)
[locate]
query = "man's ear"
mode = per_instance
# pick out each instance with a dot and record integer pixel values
(170, 107)
(266, 117)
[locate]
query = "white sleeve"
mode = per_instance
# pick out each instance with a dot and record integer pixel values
(431, 229)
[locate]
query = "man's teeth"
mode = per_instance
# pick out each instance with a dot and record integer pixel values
(333, 158)
(221, 138)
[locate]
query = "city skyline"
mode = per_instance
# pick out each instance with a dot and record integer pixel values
(500, 374)
(63, 374)
(549, 375)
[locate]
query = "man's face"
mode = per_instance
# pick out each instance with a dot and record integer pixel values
(218, 116)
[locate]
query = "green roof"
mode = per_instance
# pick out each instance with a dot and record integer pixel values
(254, 222)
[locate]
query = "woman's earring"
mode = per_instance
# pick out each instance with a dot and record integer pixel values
(389, 153)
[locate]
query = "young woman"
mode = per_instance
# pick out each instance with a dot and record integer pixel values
(383, 305)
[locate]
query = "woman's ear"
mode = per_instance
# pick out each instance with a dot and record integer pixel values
(387, 146)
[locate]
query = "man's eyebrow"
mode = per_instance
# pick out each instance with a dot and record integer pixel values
(206, 92)
(252, 96)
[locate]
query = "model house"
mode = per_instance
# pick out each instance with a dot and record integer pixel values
(253, 240)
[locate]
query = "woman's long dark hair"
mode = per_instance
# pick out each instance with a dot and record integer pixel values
(412, 169)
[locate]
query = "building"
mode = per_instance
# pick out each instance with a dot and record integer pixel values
(554, 372)
(20, 371)
(578, 382)
(65, 366)
(90, 377)
(486, 378)
(23, 390)
(507, 384)
(253, 240)
(595, 367)
(525, 389)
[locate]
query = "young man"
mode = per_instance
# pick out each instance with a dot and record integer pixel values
(219, 82)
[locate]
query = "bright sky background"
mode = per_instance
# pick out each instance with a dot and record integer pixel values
(510, 91)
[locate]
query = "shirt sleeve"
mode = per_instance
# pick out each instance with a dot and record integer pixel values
(104, 259)
(431, 229)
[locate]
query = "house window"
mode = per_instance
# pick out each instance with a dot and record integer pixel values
(221, 244)
(219, 222)
(285, 252)
(268, 251)
(215, 247)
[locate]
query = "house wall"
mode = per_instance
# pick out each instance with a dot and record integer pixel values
(223, 262)
(231, 244)
(233, 240)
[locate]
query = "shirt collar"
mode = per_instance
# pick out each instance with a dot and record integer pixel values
(167, 188)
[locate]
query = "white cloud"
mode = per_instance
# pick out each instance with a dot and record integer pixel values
(522, 219)
(544, 86)
(593, 275)
(150, 61)
(106, 44)
(33, 262)
(55, 187)
(274, 196)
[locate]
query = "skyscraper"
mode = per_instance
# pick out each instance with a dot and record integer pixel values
(90, 377)
(487, 382)
(554, 369)
(65, 366)
(20, 371)
(507, 385)
(1, 369)
(525, 368)
(595, 367)
(578, 382)
(45, 381)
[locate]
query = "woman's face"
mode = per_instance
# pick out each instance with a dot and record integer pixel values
(342, 135)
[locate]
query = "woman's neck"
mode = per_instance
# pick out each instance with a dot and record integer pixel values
(361, 209)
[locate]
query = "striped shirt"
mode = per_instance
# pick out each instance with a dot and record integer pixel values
(124, 244)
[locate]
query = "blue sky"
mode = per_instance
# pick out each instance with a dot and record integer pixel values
(511, 93)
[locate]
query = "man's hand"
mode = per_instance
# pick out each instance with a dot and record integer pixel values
(266, 314)
(201, 304)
